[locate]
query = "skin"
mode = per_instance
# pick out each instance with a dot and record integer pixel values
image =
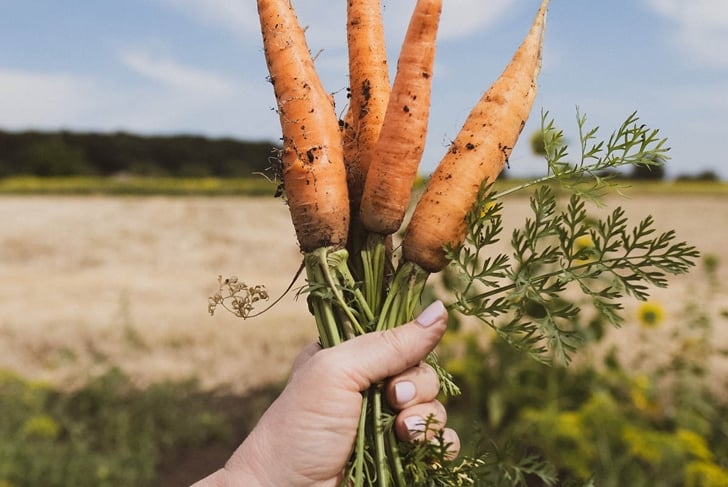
(306, 436)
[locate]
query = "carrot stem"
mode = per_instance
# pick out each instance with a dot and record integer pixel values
(380, 450)
(337, 261)
(319, 276)
(359, 448)
(397, 468)
(374, 260)
(403, 297)
(350, 284)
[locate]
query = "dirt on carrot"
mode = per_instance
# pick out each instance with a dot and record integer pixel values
(369, 90)
(401, 143)
(313, 171)
(478, 153)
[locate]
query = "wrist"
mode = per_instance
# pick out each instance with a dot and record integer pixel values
(237, 472)
(229, 478)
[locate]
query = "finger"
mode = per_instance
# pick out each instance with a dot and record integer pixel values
(421, 421)
(368, 359)
(303, 357)
(416, 385)
(451, 440)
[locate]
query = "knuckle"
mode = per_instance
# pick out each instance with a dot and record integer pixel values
(394, 342)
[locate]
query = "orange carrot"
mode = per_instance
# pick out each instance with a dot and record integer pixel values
(369, 89)
(478, 153)
(401, 142)
(314, 175)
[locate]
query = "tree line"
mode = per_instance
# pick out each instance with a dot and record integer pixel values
(64, 153)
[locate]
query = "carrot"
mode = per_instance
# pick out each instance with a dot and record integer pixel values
(401, 142)
(314, 175)
(369, 89)
(478, 153)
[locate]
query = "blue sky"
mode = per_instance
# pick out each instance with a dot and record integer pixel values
(196, 66)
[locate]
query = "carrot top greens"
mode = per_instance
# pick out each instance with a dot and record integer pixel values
(521, 296)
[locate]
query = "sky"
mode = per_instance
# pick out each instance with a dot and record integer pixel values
(197, 67)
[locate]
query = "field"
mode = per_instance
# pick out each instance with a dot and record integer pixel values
(92, 281)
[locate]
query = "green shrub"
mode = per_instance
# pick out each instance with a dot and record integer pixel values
(107, 433)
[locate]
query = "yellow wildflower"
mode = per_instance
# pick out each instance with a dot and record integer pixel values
(705, 474)
(641, 394)
(650, 314)
(694, 443)
(487, 208)
(584, 245)
(41, 426)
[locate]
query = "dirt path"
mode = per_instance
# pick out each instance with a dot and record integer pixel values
(90, 281)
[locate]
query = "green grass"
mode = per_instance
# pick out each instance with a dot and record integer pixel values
(678, 187)
(641, 187)
(259, 186)
(137, 186)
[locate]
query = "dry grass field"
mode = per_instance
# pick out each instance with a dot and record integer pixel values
(92, 281)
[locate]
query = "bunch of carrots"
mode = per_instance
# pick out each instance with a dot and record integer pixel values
(348, 182)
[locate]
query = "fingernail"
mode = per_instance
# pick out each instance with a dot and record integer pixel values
(415, 425)
(404, 392)
(431, 314)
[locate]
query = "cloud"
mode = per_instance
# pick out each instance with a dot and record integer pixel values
(464, 18)
(177, 97)
(178, 76)
(30, 99)
(233, 15)
(702, 28)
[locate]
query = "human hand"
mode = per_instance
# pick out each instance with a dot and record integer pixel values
(306, 436)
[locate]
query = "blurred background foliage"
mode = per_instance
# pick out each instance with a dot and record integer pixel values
(64, 153)
(603, 421)
(111, 432)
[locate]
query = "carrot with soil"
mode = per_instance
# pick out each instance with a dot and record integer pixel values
(313, 171)
(401, 143)
(399, 148)
(389, 178)
(369, 90)
(478, 153)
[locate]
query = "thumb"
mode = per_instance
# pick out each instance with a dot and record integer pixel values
(371, 358)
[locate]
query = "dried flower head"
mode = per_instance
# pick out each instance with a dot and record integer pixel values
(236, 297)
